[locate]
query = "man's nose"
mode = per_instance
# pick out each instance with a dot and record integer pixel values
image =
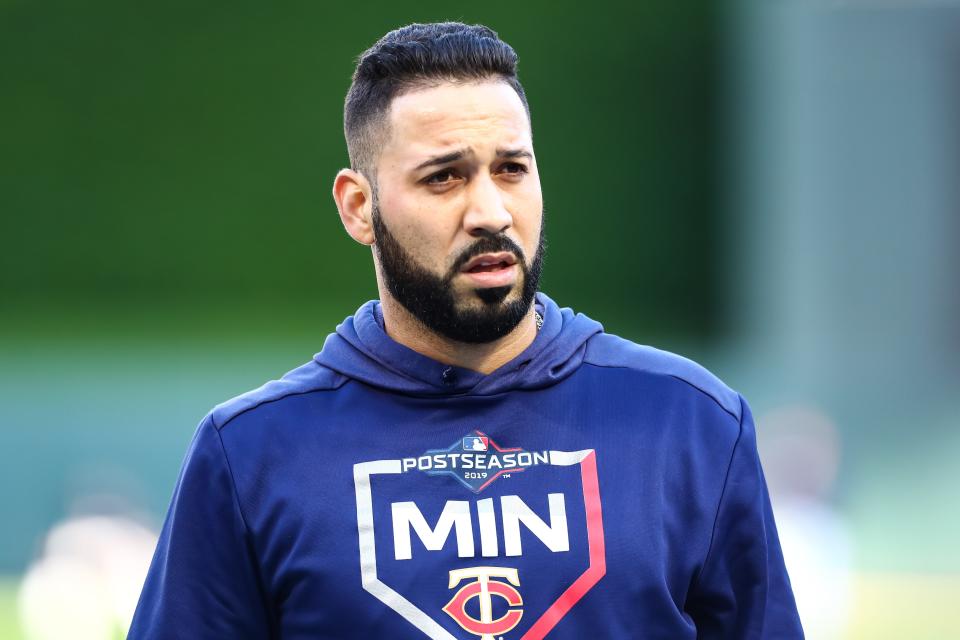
(487, 212)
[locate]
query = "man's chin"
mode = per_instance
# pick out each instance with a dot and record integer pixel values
(494, 296)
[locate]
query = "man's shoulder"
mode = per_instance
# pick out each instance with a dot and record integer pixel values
(608, 350)
(307, 378)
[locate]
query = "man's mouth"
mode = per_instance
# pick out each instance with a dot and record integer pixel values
(490, 262)
(490, 270)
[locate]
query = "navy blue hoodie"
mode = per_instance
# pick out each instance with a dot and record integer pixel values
(590, 488)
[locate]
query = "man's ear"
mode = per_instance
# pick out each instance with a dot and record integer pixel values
(354, 197)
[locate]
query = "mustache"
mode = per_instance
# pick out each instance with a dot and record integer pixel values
(487, 244)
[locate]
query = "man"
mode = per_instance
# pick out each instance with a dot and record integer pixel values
(465, 459)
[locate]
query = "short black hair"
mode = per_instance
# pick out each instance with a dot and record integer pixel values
(413, 57)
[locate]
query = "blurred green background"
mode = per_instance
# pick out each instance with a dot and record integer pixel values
(769, 188)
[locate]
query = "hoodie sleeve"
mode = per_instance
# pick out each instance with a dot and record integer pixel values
(743, 590)
(203, 581)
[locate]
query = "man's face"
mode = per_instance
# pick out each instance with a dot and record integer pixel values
(458, 212)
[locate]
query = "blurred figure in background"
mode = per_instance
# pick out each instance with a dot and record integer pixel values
(85, 584)
(801, 451)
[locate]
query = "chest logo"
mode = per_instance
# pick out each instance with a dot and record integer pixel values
(482, 600)
(475, 461)
(484, 588)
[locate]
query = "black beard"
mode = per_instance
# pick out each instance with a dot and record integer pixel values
(430, 297)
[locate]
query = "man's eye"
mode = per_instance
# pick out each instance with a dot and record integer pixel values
(441, 177)
(514, 168)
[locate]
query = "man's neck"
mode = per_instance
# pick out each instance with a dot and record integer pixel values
(484, 358)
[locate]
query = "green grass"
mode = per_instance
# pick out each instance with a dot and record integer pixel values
(9, 627)
(902, 606)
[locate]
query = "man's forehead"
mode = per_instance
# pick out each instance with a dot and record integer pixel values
(478, 115)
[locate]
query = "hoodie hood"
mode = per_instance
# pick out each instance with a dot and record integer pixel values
(361, 349)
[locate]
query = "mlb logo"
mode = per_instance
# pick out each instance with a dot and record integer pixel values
(475, 443)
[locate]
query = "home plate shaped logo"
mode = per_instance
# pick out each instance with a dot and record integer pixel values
(461, 566)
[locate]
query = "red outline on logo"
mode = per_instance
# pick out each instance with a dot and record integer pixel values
(598, 558)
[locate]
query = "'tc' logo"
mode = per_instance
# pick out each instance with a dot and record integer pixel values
(483, 588)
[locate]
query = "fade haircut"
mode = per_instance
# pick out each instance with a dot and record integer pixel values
(414, 57)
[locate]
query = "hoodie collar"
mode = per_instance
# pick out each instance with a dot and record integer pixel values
(362, 350)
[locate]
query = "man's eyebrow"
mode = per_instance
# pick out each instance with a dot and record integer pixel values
(460, 154)
(514, 153)
(446, 158)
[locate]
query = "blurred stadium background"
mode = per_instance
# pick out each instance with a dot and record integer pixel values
(769, 187)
